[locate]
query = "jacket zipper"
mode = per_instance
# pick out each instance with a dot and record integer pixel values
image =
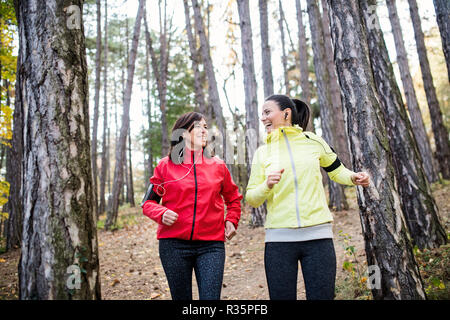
(291, 157)
(195, 201)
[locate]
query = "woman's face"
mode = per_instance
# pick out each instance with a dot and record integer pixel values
(272, 117)
(197, 137)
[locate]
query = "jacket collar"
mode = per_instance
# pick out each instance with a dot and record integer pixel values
(276, 134)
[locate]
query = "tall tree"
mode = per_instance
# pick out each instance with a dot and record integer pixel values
(265, 49)
(213, 92)
(303, 57)
(283, 48)
(418, 204)
(385, 233)
(196, 60)
(98, 52)
(105, 117)
(337, 197)
(442, 8)
(121, 144)
(411, 99)
(59, 234)
(437, 124)
(251, 101)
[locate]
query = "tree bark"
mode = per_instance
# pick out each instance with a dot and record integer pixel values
(418, 204)
(59, 232)
(385, 233)
(265, 49)
(251, 100)
(130, 189)
(120, 149)
(411, 100)
(337, 197)
(98, 52)
(213, 92)
(442, 8)
(440, 132)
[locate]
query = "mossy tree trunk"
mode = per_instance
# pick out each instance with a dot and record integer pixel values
(59, 232)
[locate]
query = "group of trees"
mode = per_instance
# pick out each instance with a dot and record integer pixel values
(63, 174)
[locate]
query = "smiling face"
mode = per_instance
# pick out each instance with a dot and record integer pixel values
(197, 137)
(273, 117)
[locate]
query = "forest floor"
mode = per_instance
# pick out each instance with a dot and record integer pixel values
(131, 269)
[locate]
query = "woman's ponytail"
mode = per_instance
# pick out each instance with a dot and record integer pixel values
(303, 114)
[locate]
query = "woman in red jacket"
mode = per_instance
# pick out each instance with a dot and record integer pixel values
(192, 223)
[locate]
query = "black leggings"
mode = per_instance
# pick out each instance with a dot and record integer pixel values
(318, 261)
(206, 258)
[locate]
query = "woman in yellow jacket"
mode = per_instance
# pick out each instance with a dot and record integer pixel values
(286, 172)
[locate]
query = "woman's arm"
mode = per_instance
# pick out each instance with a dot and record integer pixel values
(257, 188)
(232, 197)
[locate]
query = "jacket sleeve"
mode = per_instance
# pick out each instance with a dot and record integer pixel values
(257, 189)
(330, 162)
(232, 197)
(151, 208)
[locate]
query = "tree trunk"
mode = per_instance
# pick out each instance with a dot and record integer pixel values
(388, 248)
(411, 100)
(418, 204)
(213, 92)
(160, 80)
(120, 148)
(98, 52)
(59, 243)
(265, 49)
(303, 60)
(105, 117)
(251, 101)
(130, 189)
(283, 49)
(149, 163)
(442, 8)
(14, 174)
(195, 58)
(440, 132)
(337, 197)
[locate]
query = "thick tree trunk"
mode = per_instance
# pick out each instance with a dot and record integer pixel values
(442, 8)
(195, 58)
(388, 248)
(59, 244)
(265, 49)
(439, 131)
(418, 204)
(303, 59)
(251, 101)
(120, 149)
(328, 119)
(98, 52)
(213, 92)
(411, 100)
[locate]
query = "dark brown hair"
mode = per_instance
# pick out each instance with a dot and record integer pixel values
(177, 143)
(300, 110)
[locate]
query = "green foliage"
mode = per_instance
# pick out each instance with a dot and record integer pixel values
(435, 272)
(354, 284)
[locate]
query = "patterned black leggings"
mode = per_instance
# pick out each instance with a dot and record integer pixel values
(318, 261)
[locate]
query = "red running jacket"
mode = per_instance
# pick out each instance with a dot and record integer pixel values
(194, 190)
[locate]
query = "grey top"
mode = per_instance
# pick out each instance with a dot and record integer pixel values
(321, 231)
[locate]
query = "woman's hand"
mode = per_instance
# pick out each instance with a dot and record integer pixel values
(274, 177)
(361, 179)
(169, 217)
(230, 230)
